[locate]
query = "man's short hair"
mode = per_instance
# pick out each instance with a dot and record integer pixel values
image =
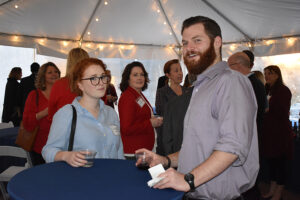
(34, 67)
(251, 57)
(212, 28)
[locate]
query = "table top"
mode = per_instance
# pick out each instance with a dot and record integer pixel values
(107, 179)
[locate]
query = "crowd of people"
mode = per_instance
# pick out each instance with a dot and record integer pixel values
(211, 134)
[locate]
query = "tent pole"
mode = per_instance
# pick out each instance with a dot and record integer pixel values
(168, 22)
(229, 21)
(5, 2)
(34, 54)
(90, 20)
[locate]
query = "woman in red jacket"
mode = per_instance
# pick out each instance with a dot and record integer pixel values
(36, 109)
(136, 115)
(277, 138)
(61, 93)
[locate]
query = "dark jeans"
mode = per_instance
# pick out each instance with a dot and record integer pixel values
(36, 158)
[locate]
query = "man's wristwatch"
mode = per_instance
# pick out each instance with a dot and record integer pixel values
(189, 178)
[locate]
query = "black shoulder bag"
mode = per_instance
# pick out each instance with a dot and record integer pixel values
(73, 128)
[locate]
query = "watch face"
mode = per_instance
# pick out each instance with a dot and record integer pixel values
(189, 178)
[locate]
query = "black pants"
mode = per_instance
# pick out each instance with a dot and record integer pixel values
(36, 158)
(277, 168)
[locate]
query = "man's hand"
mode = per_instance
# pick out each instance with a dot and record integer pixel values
(153, 158)
(172, 179)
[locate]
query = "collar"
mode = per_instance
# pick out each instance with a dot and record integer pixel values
(134, 92)
(80, 109)
(211, 72)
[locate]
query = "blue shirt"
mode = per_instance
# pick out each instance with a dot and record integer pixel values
(101, 134)
(221, 117)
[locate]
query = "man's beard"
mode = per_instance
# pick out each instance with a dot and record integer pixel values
(206, 59)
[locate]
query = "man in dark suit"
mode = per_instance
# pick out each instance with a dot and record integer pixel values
(243, 63)
(27, 84)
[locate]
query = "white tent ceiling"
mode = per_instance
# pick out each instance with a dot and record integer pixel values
(142, 28)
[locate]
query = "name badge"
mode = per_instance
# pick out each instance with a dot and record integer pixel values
(140, 101)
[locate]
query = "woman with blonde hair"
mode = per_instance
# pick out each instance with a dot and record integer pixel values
(36, 108)
(61, 93)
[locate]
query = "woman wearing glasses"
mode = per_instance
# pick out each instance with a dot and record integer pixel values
(97, 127)
(136, 114)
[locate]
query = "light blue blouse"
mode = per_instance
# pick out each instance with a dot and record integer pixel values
(101, 135)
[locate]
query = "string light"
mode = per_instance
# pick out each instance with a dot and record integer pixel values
(101, 47)
(97, 19)
(158, 11)
(41, 41)
(111, 45)
(16, 6)
(89, 33)
(170, 33)
(232, 47)
(291, 41)
(65, 43)
(269, 42)
(165, 23)
(122, 47)
(15, 38)
(250, 45)
(105, 3)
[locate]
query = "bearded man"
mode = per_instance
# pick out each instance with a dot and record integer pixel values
(219, 154)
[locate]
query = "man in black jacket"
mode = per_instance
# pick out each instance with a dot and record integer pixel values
(242, 63)
(27, 84)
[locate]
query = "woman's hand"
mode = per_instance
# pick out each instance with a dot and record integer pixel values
(156, 121)
(73, 158)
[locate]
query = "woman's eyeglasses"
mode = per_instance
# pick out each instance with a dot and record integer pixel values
(96, 80)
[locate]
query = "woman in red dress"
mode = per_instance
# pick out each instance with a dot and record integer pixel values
(136, 115)
(61, 93)
(36, 109)
(277, 137)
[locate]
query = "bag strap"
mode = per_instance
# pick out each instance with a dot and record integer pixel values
(73, 128)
